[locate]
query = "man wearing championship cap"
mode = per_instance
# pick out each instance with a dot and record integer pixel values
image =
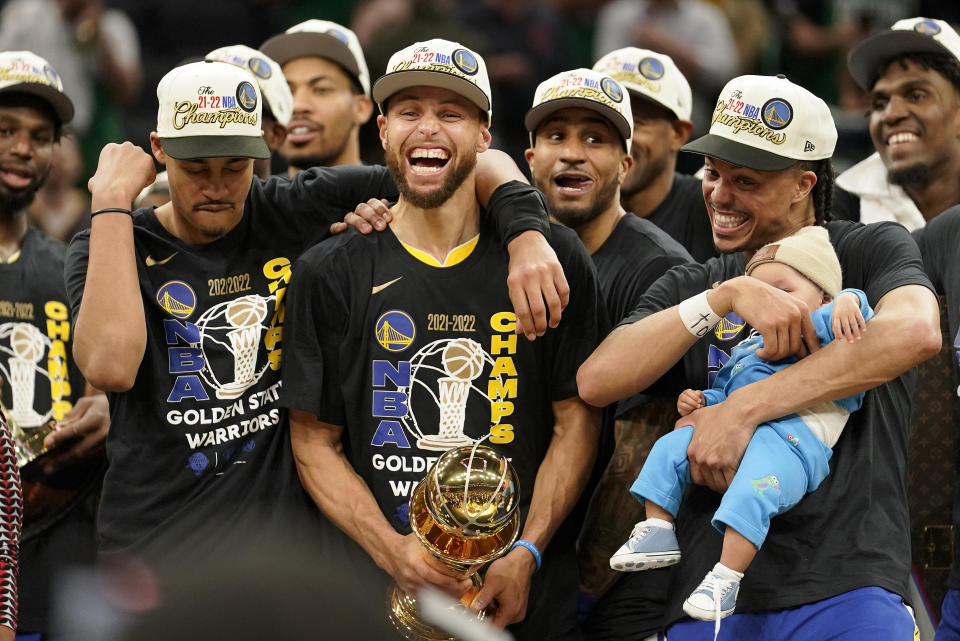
(912, 75)
(580, 126)
(767, 175)
(327, 73)
(180, 310)
(40, 381)
(660, 99)
(277, 99)
(360, 461)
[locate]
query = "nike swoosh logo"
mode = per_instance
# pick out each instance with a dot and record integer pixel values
(380, 288)
(151, 262)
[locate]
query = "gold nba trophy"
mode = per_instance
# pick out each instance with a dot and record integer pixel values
(465, 513)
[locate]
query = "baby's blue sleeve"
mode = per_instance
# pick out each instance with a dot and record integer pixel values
(713, 396)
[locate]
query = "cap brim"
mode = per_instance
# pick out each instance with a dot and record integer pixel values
(864, 58)
(738, 153)
(538, 114)
(287, 46)
(61, 104)
(190, 147)
(391, 83)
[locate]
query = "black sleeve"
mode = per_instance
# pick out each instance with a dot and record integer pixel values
(677, 284)
(584, 321)
(326, 192)
(75, 269)
(846, 206)
(314, 329)
(670, 289)
(516, 207)
(644, 279)
(879, 258)
(938, 243)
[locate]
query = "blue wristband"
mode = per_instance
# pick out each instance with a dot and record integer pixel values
(523, 543)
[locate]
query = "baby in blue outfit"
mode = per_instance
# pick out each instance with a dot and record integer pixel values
(785, 458)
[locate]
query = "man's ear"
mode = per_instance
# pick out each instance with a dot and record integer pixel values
(681, 134)
(483, 143)
(274, 134)
(626, 162)
(805, 184)
(157, 148)
(382, 126)
(362, 108)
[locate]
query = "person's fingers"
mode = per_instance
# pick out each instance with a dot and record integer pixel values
(810, 333)
(538, 309)
(521, 308)
(553, 300)
(355, 220)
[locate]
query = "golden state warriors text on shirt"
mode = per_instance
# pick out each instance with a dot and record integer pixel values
(218, 358)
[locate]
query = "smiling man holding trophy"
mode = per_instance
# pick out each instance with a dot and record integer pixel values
(402, 346)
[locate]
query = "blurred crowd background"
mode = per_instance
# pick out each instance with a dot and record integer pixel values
(111, 55)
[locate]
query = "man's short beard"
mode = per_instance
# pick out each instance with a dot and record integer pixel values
(435, 198)
(13, 202)
(915, 177)
(642, 177)
(575, 217)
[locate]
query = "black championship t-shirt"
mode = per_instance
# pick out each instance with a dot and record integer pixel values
(40, 382)
(414, 359)
(853, 531)
(199, 446)
(633, 257)
(683, 215)
(938, 243)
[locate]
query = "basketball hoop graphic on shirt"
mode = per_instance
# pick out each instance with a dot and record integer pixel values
(444, 372)
(25, 345)
(236, 326)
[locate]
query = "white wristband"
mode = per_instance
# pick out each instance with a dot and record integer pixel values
(697, 315)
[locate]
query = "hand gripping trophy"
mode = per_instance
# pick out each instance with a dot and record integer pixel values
(465, 513)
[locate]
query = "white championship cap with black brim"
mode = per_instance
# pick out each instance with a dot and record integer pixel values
(767, 123)
(650, 75)
(273, 86)
(27, 73)
(910, 35)
(210, 109)
(437, 63)
(322, 39)
(586, 89)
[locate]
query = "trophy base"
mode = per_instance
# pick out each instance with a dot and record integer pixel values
(406, 619)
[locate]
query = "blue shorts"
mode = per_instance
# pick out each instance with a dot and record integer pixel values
(949, 628)
(865, 614)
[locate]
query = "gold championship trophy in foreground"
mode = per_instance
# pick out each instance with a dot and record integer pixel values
(465, 513)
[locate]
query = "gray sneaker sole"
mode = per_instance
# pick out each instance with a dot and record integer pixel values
(701, 614)
(643, 561)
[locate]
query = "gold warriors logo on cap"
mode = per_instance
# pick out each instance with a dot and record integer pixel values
(651, 68)
(612, 88)
(776, 113)
(927, 27)
(260, 68)
(465, 62)
(246, 96)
